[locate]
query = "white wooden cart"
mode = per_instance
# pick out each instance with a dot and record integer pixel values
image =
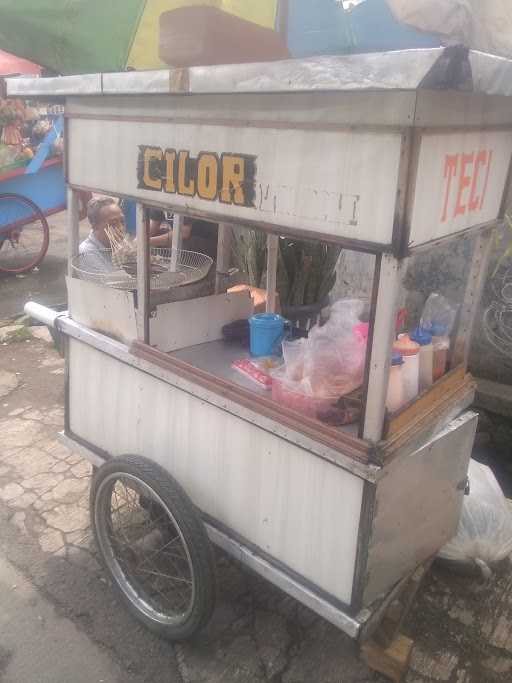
(387, 154)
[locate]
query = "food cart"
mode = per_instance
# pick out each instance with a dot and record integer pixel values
(386, 154)
(32, 183)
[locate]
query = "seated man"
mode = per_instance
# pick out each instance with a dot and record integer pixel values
(104, 212)
(101, 212)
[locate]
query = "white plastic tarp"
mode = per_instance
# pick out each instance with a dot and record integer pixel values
(479, 24)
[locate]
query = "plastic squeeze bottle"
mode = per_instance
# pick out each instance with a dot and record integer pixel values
(410, 352)
(441, 346)
(424, 339)
(395, 397)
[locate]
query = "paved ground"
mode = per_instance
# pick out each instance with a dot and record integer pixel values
(462, 628)
(28, 618)
(45, 284)
(54, 593)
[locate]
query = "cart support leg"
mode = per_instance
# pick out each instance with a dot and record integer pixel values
(475, 284)
(385, 309)
(224, 246)
(143, 281)
(392, 661)
(73, 227)
(177, 225)
(272, 256)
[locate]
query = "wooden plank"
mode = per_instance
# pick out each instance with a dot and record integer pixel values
(449, 384)
(104, 309)
(398, 609)
(187, 323)
(393, 661)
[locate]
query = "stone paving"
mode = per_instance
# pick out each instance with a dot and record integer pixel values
(462, 628)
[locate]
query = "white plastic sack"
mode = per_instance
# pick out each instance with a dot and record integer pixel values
(484, 535)
(479, 24)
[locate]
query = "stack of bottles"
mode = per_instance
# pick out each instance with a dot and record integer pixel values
(421, 357)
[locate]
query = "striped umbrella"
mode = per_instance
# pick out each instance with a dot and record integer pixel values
(84, 36)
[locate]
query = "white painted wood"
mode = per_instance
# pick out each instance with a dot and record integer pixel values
(298, 508)
(73, 227)
(195, 321)
(418, 502)
(460, 182)
(340, 183)
(272, 258)
(143, 279)
(104, 309)
(383, 335)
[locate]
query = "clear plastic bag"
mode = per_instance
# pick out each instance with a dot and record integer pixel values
(330, 362)
(438, 313)
(484, 535)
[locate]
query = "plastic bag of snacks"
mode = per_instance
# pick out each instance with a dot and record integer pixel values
(484, 535)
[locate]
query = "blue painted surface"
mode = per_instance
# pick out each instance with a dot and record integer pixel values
(45, 147)
(46, 187)
(374, 29)
(317, 28)
(323, 27)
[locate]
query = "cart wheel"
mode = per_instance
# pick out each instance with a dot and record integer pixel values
(154, 545)
(24, 234)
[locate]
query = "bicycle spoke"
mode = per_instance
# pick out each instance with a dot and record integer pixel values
(155, 565)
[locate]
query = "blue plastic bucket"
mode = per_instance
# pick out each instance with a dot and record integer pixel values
(266, 333)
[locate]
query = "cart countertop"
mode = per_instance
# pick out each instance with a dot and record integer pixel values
(455, 68)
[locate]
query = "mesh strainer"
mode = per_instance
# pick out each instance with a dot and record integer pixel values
(99, 266)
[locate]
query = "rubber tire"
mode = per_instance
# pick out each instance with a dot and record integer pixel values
(194, 533)
(46, 234)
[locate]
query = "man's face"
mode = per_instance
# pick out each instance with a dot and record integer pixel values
(112, 216)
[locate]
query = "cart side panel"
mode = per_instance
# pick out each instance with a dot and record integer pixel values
(204, 318)
(338, 183)
(299, 509)
(104, 309)
(418, 502)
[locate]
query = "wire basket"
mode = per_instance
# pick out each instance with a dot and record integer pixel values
(169, 268)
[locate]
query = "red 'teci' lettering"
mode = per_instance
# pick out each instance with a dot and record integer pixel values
(467, 170)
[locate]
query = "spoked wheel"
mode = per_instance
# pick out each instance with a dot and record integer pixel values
(24, 234)
(154, 545)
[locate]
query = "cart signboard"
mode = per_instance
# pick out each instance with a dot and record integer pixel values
(338, 183)
(460, 182)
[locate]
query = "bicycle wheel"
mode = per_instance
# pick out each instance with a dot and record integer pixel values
(154, 545)
(24, 234)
